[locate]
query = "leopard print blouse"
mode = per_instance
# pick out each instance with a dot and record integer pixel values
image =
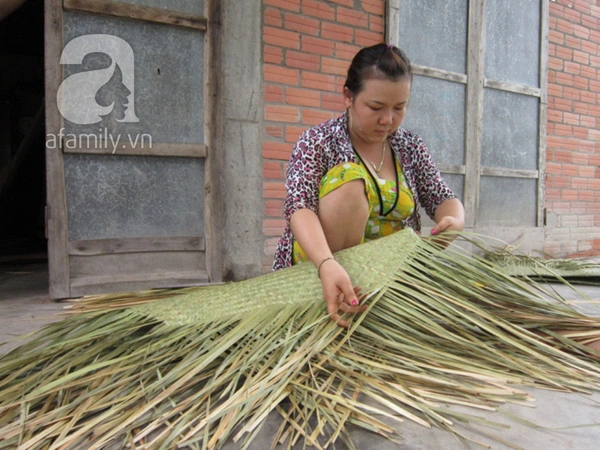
(322, 147)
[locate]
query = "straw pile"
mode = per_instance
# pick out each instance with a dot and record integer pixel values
(196, 367)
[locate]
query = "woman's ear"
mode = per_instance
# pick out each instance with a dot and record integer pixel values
(347, 97)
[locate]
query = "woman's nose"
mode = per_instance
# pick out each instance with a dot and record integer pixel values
(386, 118)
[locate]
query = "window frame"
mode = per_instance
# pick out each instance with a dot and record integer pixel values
(476, 83)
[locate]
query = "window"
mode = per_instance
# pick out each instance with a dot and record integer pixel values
(479, 100)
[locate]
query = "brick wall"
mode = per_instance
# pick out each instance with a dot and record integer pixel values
(573, 137)
(308, 45)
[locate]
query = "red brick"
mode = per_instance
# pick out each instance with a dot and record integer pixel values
(283, 38)
(319, 81)
(564, 78)
(272, 189)
(581, 108)
(376, 24)
(302, 60)
(277, 150)
(589, 122)
(573, 94)
(273, 227)
(303, 97)
(589, 72)
(582, 32)
(293, 133)
(564, 26)
(291, 5)
(273, 55)
(332, 102)
(318, 9)
(554, 116)
(352, 17)
(556, 10)
(589, 173)
(283, 75)
(374, 6)
(588, 96)
(367, 38)
(317, 46)
(272, 170)
(572, 67)
(586, 196)
(564, 53)
(334, 66)
(302, 24)
(343, 2)
(569, 195)
(273, 17)
(572, 119)
(312, 117)
(582, 7)
(346, 51)
(337, 32)
(556, 37)
(273, 94)
(589, 47)
(555, 64)
(277, 113)
(572, 16)
(553, 168)
(275, 131)
(573, 42)
(581, 83)
(273, 208)
(579, 183)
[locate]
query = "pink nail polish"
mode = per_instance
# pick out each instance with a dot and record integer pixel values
(354, 302)
(434, 231)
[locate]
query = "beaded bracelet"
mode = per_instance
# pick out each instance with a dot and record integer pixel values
(330, 258)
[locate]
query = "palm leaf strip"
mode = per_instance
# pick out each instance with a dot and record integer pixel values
(199, 366)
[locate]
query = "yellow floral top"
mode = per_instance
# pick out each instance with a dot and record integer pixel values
(382, 221)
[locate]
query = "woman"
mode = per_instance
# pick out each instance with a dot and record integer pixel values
(360, 177)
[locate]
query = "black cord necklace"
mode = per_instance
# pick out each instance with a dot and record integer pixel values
(381, 213)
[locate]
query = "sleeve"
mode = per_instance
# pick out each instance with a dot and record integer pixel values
(431, 187)
(306, 168)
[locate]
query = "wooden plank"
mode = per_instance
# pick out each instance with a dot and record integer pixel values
(392, 17)
(545, 27)
(213, 199)
(135, 245)
(135, 265)
(86, 145)
(58, 257)
(135, 12)
(453, 169)
(439, 74)
(474, 125)
(101, 285)
(513, 87)
(509, 173)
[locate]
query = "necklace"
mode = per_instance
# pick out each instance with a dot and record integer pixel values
(378, 169)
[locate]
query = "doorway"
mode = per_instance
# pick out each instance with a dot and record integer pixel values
(22, 144)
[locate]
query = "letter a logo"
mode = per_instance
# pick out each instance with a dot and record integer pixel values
(76, 95)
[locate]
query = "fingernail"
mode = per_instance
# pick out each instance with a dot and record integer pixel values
(354, 302)
(434, 231)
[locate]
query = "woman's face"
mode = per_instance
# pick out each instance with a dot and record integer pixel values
(377, 110)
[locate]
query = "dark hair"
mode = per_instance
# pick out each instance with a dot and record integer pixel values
(382, 61)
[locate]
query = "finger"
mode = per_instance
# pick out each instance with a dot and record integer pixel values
(337, 319)
(344, 307)
(349, 296)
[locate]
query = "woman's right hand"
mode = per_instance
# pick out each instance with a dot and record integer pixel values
(338, 292)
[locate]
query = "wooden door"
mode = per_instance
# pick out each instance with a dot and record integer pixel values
(126, 145)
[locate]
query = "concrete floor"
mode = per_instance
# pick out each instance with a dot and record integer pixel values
(570, 421)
